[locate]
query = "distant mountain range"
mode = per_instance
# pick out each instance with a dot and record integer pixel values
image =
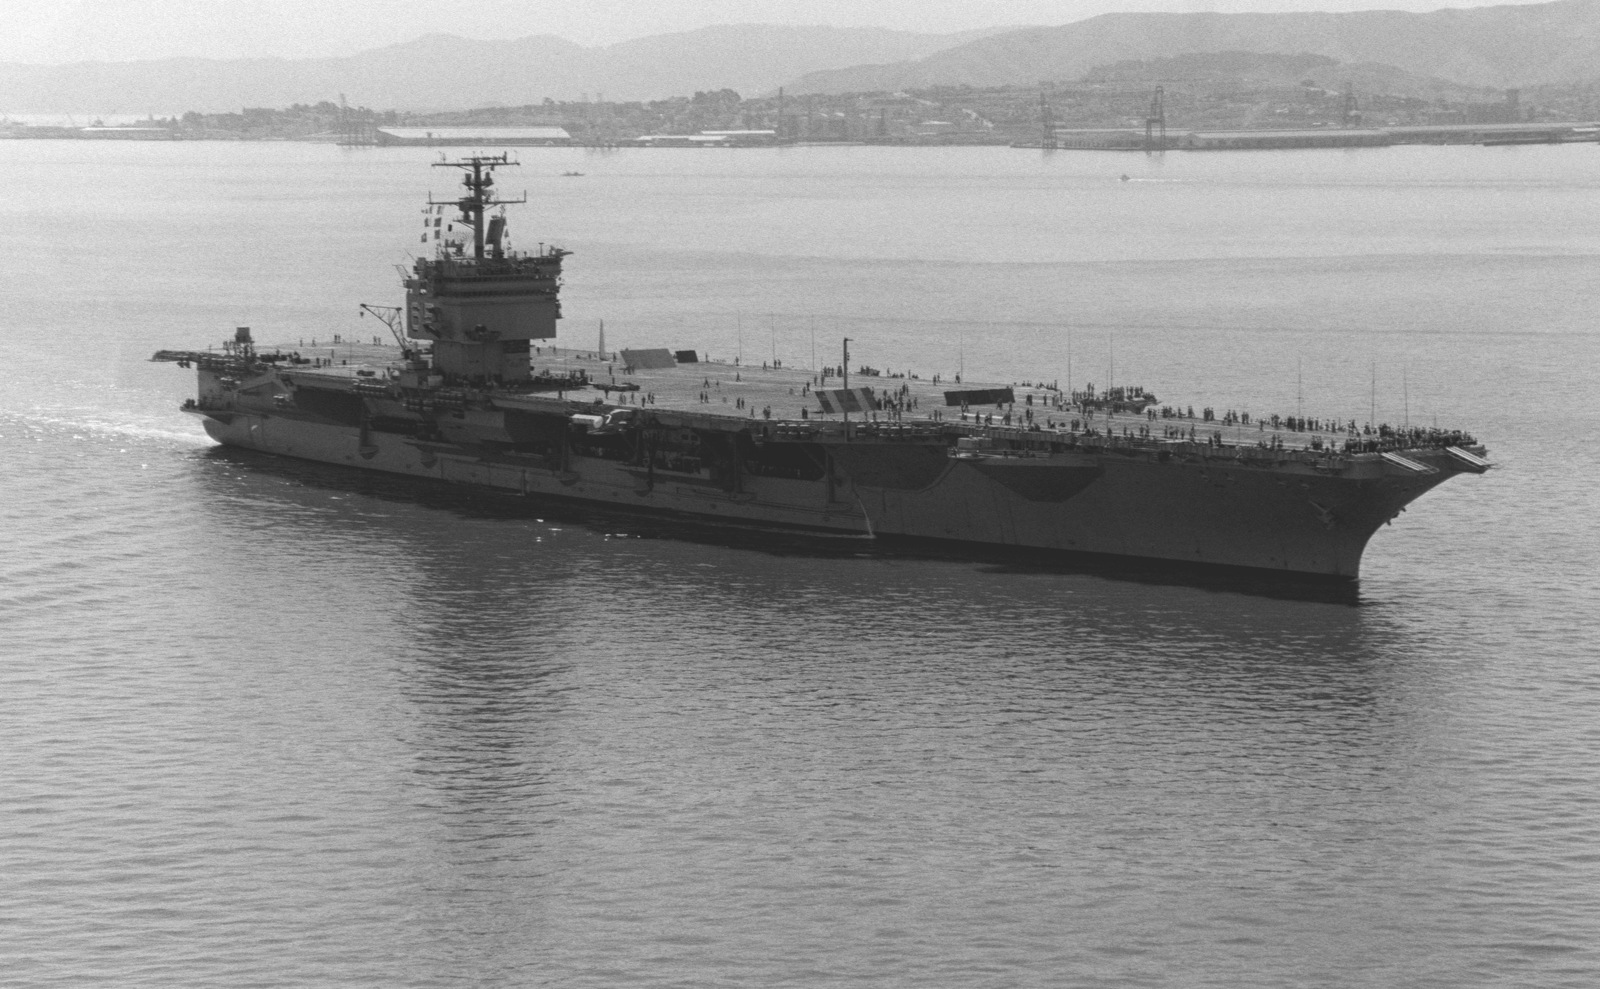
(1252, 71)
(1478, 47)
(1483, 46)
(442, 72)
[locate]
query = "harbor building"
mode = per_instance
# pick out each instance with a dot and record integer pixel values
(439, 137)
(1102, 139)
(709, 139)
(1490, 133)
(1277, 139)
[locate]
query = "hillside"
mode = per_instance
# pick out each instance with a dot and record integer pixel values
(448, 72)
(1215, 74)
(1485, 46)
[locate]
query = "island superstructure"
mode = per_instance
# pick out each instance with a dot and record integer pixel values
(473, 395)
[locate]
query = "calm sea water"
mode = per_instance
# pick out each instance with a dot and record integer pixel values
(270, 724)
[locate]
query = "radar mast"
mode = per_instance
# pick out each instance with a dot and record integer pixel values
(478, 180)
(480, 312)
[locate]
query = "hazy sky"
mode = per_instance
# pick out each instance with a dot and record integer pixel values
(120, 30)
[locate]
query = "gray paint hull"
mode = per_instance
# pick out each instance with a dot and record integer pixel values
(1221, 510)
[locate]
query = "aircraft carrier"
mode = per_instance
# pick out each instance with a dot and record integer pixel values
(471, 393)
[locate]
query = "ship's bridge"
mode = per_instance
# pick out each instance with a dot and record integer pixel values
(507, 298)
(481, 309)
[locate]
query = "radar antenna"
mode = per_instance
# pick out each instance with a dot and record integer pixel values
(479, 179)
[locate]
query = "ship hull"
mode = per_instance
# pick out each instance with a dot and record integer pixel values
(1025, 468)
(1191, 512)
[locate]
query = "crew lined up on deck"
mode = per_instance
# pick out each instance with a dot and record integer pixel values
(1092, 413)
